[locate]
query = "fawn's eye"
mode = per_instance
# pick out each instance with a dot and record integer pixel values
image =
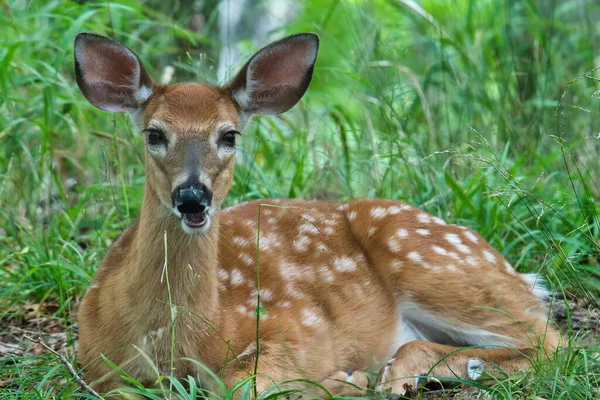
(155, 137)
(228, 138)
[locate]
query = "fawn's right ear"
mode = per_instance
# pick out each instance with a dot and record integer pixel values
(110, 75)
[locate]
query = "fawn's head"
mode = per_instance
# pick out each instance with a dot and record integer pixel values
(190, 128)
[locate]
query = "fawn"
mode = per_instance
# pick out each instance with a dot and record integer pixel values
(429, 287)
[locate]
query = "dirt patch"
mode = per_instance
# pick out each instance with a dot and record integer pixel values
(36, 321)
(580, 316)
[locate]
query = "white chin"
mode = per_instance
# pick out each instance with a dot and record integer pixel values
(196, 230)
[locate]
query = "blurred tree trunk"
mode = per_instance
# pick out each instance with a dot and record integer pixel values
(226, 23)
(248, 20)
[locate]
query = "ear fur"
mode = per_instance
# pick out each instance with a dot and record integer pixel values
(110, 75)
(277, 76)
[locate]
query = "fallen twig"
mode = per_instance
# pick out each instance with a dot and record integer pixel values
(69, 366)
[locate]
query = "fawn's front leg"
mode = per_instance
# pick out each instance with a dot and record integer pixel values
(278, 363)
(420, 358)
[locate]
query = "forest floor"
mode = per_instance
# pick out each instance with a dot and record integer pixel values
(36, 321)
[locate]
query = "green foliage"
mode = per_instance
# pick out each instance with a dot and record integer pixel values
(480, 112)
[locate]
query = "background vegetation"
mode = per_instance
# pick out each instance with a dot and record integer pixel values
(482, 112)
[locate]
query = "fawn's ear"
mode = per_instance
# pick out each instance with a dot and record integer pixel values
(110, 75)
(277, 76)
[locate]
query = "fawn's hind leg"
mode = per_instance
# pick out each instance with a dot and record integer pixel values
(421, 358)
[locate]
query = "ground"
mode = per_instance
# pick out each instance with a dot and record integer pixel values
(36, 321)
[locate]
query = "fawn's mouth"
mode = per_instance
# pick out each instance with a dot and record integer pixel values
(196, 220)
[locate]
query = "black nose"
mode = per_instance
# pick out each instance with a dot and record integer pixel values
(191, 199)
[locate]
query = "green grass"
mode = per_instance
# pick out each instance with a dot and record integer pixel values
(481, 112)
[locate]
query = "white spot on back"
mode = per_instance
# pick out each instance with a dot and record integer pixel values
(424, 218)
(308, 228)
(378, 212)
(393, 244)
(322, 246)
(330, 221)
(489, 256)
(415, 256)
(439, 250)
(236, 277)
(471, 236)
(222, 274)
(424, 232)
(309, 218)
(344, 264)
(265, 295)
(301, 243)
(396, 265)
(284, 304)
(452, 268)
(310, 318)
(402, 233)
(246, 258)
(455, 240)
(240, 241)
(351, 215)
(268, 241)
(393, 210)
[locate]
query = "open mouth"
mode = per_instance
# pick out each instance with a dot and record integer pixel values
(196, 219)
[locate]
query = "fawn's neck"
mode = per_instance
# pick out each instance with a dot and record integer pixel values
(191, 260)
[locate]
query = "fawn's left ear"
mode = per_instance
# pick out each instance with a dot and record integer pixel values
(110, 75)
(277, 76)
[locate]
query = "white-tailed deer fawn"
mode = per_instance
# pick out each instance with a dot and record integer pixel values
(344, 288)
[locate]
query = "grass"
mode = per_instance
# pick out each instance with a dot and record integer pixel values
(480, 112)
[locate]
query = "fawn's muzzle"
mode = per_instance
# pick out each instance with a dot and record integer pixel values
(191, 199)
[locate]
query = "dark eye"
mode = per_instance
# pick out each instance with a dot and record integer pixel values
(228, 139)
(155, 137)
